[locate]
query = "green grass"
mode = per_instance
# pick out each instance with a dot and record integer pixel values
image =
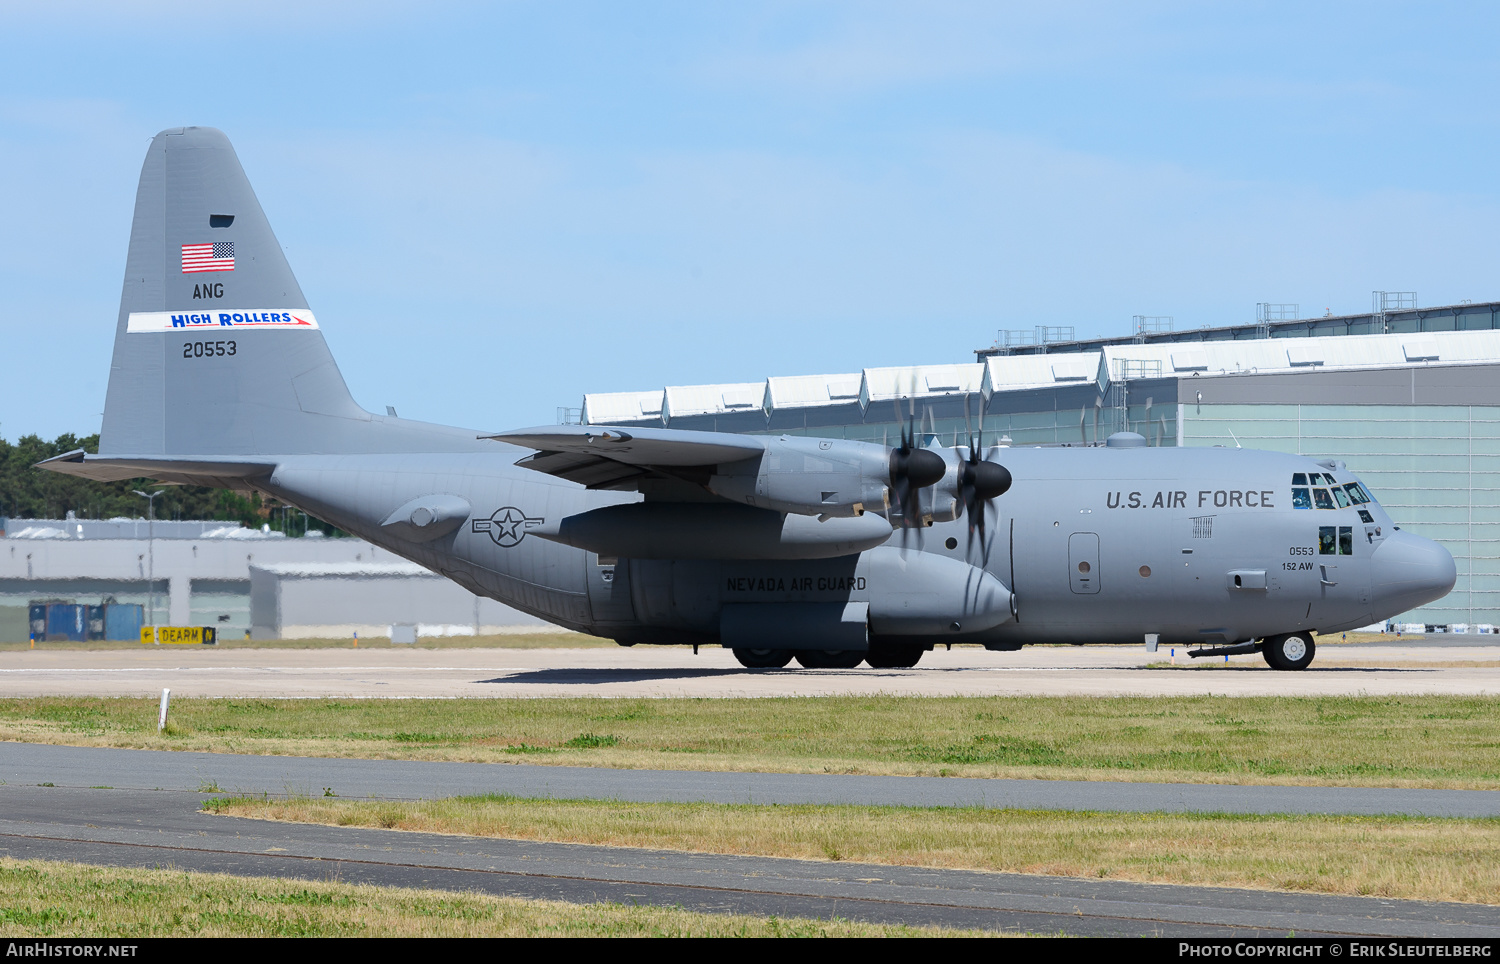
(1398, 857)
(1439, 741)
(49, 899)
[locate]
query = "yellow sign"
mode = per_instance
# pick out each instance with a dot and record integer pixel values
(179, 635)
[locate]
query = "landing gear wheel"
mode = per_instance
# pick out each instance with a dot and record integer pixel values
(763, 658)
(894, 657)
(830, 658)
(1292, 651)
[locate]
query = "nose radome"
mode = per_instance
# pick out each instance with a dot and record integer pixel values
(1409, 571)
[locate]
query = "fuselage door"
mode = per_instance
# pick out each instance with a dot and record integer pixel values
(609, 590)
(1083, 562)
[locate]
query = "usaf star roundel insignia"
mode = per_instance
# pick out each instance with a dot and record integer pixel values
(507, 526)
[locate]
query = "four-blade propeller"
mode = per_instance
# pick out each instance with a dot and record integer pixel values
(913, 469)
(979, 480)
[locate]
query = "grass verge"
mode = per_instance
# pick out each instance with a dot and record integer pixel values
(1396, 857)
(47, 899)
(1423, 741)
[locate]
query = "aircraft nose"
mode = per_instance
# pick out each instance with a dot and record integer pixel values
(1408, 571)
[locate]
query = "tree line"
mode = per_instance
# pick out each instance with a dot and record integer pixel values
(27, 492)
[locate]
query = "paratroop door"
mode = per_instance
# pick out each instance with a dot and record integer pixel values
(1083, 561)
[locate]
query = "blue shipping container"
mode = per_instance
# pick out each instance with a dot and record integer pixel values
(124, 620)
(67, 621)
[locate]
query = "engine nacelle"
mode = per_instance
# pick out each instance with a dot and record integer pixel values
(809, 476)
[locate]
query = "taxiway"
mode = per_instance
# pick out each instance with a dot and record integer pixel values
(1380, 669)
(134, 828)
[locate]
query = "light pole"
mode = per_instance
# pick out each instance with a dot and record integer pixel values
(150, 498)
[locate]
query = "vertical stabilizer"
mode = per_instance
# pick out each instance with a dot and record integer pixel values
(216, 351)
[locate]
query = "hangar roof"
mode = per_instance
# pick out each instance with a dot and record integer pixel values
(1177, 359)
(1006, 373)
(608, 408)
(683, 400)
(1023, 372)
(336, 569)
(917, 381)
(809, 391)
(1467, 316)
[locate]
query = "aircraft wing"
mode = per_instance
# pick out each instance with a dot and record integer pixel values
(601, 457)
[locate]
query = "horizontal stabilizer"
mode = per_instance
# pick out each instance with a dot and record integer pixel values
(184, 471)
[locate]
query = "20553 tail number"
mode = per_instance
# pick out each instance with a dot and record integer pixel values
(207, 349)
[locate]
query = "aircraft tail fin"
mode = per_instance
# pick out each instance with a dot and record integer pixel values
(216, 351)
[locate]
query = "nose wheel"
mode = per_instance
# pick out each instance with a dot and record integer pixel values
(1288, 652)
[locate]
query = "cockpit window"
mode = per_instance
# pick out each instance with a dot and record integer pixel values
(1335, 540)
(1336, 496)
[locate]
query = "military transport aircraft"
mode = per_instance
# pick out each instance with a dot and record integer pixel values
(829, 551)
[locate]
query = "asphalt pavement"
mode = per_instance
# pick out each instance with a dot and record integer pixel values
(165, 828)
(32, 764)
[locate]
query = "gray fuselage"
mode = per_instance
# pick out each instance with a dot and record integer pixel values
(1098, 545)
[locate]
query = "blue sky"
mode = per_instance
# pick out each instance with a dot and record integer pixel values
(495, 208)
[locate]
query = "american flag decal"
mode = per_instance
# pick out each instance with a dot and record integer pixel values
(216, 256)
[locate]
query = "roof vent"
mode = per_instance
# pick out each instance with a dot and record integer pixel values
(843, 389)
(1189, 361)
(1126, 440)
(1420, 351)
(1301, 356)
(942, 383)
(651, 406)
(1073, 371)
(738, 399)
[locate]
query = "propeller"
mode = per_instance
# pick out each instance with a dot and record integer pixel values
(979, 480)
(913, 469)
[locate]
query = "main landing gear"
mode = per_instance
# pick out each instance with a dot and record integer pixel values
(1291, 651)
(879, 657)
(890, 656)
(763, 658)
(830, 658)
